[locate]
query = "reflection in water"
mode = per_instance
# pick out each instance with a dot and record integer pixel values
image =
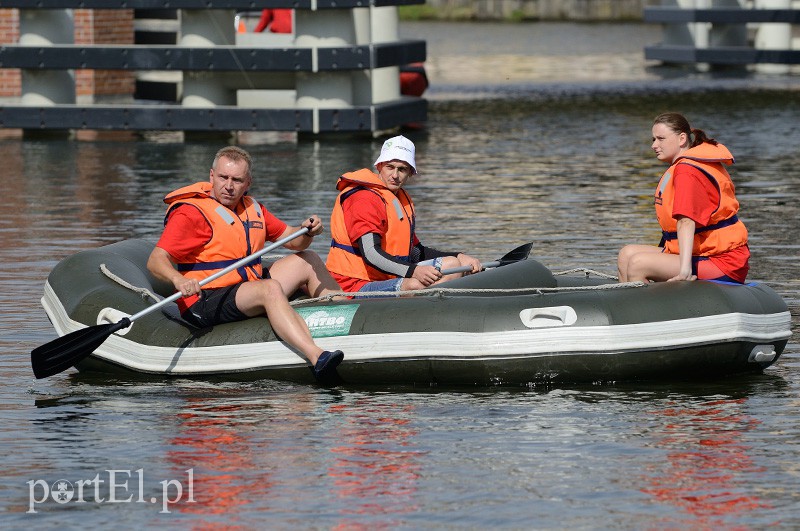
(708, 464)
(246, 453)
(377, 467)
(210, 442)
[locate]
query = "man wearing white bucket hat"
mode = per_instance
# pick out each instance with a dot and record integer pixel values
(374, 246)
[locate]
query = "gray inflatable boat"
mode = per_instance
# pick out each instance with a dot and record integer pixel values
(518, 324)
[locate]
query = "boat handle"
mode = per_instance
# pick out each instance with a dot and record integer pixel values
(762, 354)
(548, 317)
(112, 315)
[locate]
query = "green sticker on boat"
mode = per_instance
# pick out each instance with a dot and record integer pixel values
(329, 320)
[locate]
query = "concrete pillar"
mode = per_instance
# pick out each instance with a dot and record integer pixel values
(324, 90)
(728, 34)
(385, 24)
(693, 34)
(331, 27)
(317, 29)
(384, 27)
(207, 27)
(773, 36)
(704, 34)
(201, 29)
(46, 27)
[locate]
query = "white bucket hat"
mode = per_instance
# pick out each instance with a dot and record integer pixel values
(398, 148)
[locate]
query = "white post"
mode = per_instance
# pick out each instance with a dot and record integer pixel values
(332, 90)
(46, 27)
(207, 28)
(384, 27)
(728, 34)
(773, 36)
(694, 34)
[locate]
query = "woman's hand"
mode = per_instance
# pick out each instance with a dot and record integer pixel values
(684, 275)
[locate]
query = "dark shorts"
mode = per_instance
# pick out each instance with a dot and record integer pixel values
(215, 306)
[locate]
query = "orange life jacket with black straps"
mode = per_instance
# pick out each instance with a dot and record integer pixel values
(345, 256)
(235, 235)
(724, 231)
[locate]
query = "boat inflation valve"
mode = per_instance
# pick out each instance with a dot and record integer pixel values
(112, 315)
(762, 354)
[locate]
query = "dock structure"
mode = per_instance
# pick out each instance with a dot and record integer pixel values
(337, 72)
(762, 34)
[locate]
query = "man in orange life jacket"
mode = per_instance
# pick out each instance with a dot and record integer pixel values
(210, 225)
(697, 210)
(374, 245)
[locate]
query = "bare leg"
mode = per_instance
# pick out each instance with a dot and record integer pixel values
(267, 296)
(626, 254)
(411, 284)
(449, 262)
(304, 270)
(641, 263)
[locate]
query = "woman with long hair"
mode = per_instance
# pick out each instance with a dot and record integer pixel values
(702, 236)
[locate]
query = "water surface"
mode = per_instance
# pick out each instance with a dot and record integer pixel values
(562, 162)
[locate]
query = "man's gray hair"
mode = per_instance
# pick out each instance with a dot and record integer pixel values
(234, 153)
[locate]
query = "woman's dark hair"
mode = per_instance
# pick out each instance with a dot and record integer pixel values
(678, 123)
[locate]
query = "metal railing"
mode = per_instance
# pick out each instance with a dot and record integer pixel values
(727, 32)
(337, 72)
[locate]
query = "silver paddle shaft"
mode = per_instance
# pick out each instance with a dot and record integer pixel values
(215, 276)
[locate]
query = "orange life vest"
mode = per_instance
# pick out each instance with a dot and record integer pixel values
(234, 236)
(345, 256)
(724, 230)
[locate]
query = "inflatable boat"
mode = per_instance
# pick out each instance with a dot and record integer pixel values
(517, 324)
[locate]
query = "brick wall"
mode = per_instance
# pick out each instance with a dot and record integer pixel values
(99, 26)
(104, 26)
(9, 32)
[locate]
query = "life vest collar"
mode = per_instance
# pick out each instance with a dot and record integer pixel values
(707, 152)
(204, 190)
(363, 177)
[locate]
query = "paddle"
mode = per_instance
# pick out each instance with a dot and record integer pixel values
(515, 255)
(65, 351)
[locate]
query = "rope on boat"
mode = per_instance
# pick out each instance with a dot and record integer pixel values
(144, 292)
(470, 291)
(587, 272)
(428, 292)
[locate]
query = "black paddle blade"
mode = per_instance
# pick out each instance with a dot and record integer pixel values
(515, 255)
(64, 352)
